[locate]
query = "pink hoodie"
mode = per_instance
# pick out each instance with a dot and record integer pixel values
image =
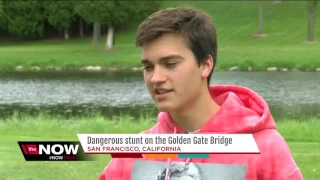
(242, 111)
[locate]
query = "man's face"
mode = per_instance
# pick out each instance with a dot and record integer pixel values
(171, 73)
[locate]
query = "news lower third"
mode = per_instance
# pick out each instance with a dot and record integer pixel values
(138, 146)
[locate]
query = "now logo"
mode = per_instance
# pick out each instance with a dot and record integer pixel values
(58, 149)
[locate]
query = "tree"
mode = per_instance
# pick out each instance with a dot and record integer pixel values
(1, 15)
(81, 27)
(260, 33)
(112, 13)
(60, 15)
(24, 19)
(1, 9)
(311, 8)
(88, 11)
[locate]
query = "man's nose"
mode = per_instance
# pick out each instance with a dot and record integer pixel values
(158, 76)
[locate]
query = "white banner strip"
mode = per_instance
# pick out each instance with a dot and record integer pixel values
(168, 143)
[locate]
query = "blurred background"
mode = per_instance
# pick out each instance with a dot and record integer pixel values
(77, 60)
(48, 50)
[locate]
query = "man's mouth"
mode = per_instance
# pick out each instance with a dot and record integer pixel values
(162, 91)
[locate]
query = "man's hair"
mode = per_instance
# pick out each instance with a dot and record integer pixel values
(193, 24)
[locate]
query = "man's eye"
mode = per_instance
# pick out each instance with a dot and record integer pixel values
(171, 65)
(147, 68)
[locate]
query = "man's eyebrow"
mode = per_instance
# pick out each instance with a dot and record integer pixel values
(166, 58)
(145, 61)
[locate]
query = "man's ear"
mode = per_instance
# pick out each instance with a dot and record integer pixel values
(207, 66)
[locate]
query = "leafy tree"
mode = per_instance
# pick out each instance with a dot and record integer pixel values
(2, 22)
(1, 9)
(60, 15)
(88, 10)
(112, 13)
(24, 18)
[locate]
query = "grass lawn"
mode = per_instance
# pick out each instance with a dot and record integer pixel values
(236, 22)
(302, 138)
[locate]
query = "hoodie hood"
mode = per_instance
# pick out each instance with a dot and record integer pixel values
(242, 111)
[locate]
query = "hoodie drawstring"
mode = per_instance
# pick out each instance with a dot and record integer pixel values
(169, 160)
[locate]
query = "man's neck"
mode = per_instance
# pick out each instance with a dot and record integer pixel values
(197, 114)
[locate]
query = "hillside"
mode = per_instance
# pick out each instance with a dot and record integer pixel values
(237, 21)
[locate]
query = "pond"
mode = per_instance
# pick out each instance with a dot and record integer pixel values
(293, 95)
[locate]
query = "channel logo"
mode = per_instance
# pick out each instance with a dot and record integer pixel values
(52, 151)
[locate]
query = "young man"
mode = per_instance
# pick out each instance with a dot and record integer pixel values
(179, 53)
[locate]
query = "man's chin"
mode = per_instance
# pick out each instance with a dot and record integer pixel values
(165, 107)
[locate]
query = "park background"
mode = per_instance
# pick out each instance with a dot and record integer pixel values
(72, 67)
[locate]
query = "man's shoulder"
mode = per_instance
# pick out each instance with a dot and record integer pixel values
(272, 145)
(275, 160)
(270, 140)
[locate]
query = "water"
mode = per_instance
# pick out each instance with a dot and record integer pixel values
(289, 94)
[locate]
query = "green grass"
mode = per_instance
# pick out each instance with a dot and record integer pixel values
(285, 24)
(302, 138)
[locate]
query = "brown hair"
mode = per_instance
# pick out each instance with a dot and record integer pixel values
(195, 25)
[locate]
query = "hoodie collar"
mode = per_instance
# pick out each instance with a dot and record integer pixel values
(242, 111)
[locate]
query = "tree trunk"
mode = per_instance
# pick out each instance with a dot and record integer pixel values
(312, 6)
(260, 27)
(96, 33)
(80, 27)
(109, 40)
(66, 34)
(260, 34)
